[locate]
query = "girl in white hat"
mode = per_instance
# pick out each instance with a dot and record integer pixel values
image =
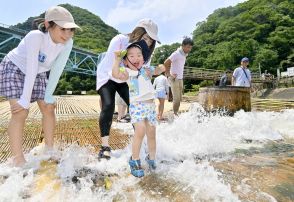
(23, 75)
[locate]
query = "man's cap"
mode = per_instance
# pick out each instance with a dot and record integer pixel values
(150, 27)
(144, 48)
(61, 17)
(245, 59)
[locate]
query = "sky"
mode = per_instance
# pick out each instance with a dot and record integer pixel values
(175, 18)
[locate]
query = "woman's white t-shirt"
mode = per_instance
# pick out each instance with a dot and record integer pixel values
(104, 68)
(37, 53)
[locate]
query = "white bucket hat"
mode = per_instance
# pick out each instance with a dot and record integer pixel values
(150, 27)
(61, 17)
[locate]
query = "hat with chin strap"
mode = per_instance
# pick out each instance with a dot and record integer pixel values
(144, 48)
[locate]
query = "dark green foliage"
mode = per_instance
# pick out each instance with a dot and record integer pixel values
(75, 82)
(95, 34)
(259, 29)
(163, 52)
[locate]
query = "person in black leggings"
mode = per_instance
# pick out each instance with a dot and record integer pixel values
(107, 93)
(107, 86)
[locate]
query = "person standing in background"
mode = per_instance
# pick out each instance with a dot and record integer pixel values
(174, 65)
(161, 86)
(223, 82)
(242, 75)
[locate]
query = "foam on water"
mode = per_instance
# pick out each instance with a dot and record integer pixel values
(192, 134)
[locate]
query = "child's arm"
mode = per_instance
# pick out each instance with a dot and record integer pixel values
(166, 86)
(117, 71)
(159, 69)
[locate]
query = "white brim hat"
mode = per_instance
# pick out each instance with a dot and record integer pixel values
(66, 25)
(61, 17)
(150, 27)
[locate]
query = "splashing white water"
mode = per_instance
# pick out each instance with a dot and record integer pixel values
(191, 135)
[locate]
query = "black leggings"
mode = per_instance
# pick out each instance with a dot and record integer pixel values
(107, 94)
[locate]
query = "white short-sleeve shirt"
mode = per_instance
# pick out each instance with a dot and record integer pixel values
(161, 83)
(104, 68)
(242, 77)
(178, 59)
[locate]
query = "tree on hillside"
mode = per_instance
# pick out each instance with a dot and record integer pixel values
(95, 34)
(259, 29)
(163, 52)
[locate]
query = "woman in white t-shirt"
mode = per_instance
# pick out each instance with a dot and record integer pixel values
(46, 49)
(107, 86)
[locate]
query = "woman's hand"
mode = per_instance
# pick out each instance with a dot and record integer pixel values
(16, 108)
(117, 55)
(148, 72)
(174, 76)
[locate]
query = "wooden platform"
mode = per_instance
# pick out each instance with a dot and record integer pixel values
(77, 122)
(271, 104)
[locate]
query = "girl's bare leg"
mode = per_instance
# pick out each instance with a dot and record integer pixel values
(140, 130)
(48, 122)
(15, 133)
(151, 140)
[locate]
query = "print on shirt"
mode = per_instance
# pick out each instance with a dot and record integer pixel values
(143, 71)
(134, 86)
(42, 57)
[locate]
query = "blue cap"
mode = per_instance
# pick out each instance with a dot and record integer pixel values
(245, 59)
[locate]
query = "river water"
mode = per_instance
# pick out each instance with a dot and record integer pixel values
(201, 157)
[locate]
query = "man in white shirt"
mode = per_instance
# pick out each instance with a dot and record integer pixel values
(242, 75)
(174, 65)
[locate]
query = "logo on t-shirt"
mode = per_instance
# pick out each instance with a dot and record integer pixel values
(133, 86)
(42, 57)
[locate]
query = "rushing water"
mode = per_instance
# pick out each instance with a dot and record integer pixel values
(201, 157)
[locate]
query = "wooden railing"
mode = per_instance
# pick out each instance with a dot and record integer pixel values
(195, 73)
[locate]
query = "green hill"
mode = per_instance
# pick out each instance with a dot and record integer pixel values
(262, 30)
(259, 29)
(95, 34)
